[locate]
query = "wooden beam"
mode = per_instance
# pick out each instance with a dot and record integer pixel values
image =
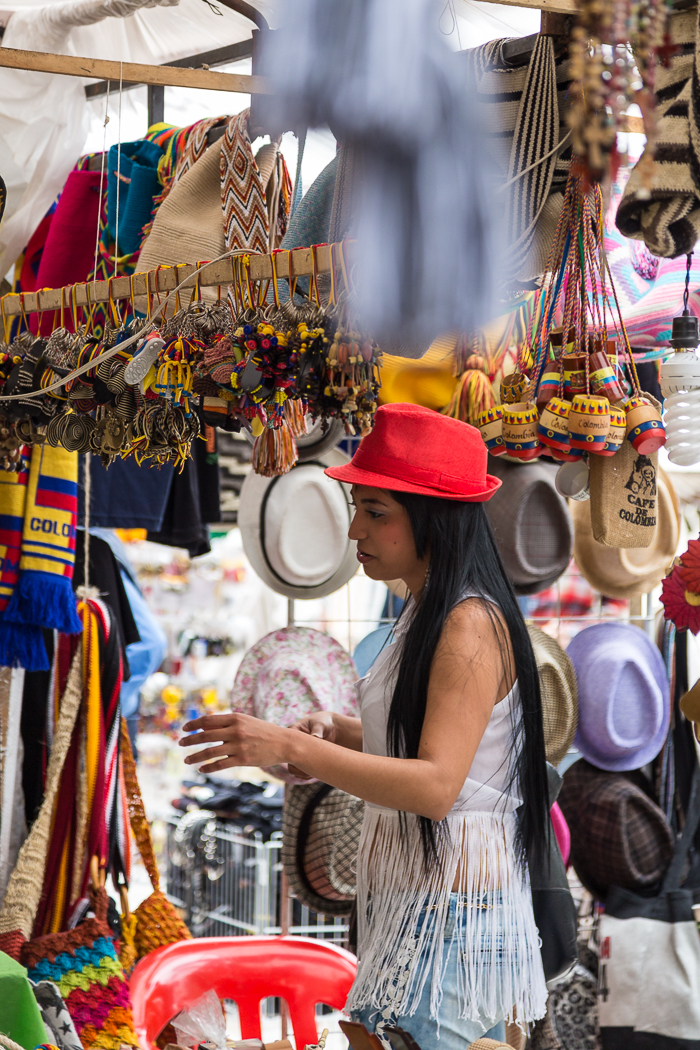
(297, 263)
(566, 7)
(135, 72)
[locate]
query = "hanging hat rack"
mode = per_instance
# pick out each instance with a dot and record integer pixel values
(288, 265)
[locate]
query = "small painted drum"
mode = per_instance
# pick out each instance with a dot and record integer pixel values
(616, 432)
(513, 387)
(549, 384)
(644, 427)
(553, 427)
(520, 422)
(603, 379)
(490, 423)
(556, 338)
(574, 366)
(589, 421)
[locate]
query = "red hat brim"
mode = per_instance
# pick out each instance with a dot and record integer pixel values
(352, 475)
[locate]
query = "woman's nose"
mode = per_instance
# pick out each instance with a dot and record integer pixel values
(355, 532)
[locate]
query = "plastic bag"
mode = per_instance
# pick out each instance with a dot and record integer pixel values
(204, 1021)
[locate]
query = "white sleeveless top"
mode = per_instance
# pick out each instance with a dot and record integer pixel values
(503, 978)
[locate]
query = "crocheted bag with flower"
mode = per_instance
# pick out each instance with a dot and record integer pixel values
(85, 966)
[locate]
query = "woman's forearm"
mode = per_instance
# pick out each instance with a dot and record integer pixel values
(410, 784)
(348, 732)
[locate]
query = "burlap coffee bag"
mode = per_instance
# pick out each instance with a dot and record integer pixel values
(624, 496)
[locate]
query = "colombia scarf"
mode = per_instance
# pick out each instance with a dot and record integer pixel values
(42, 595)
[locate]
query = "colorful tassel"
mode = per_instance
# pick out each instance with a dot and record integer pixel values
(275, 452)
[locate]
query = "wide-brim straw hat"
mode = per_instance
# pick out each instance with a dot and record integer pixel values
(531, 523)
(559, 691)
(619, 836)
(626, 574)
(623, 696)
(294, 528)
(321, 829)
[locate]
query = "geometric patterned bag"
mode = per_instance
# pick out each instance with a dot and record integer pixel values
(84, 965)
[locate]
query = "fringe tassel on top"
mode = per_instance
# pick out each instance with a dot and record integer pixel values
(494, 933)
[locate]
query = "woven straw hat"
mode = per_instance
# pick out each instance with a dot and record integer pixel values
(531, 523)
(627, 574)
(321, 829)
(559, 694)
(488, 1044)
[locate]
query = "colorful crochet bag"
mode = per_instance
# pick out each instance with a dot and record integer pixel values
(83, 963)
(155, 922)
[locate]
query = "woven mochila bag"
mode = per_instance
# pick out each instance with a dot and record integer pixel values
(84, 964)
(155, 922)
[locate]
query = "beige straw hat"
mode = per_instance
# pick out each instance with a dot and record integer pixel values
(625, 574)
(559, 690)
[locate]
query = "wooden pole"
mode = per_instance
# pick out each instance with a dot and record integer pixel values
(131, 72)
(297, 263)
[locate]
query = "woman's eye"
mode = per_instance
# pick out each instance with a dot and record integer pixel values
(374, 514)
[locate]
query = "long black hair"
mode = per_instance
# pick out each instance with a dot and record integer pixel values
(464, 558)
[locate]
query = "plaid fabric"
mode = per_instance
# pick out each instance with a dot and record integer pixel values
(559, 694)
(619, 837)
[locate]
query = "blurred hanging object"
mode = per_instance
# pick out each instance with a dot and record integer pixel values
(661, 202)
(679, 377)
(394, 93)
(614, 46)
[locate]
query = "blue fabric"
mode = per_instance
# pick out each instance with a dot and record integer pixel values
(449, 1032)
(145, 656)
(125, 495)
(138, 186)
(367, 651)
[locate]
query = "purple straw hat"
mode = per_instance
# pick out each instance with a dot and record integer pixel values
(623, 696)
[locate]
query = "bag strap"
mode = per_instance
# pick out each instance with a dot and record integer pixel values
(23, 894)
(674, 874)
(137, 814)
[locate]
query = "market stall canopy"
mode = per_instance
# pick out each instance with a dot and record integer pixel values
(44, 119)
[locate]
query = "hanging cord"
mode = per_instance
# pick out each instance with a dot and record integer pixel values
(535, 164)
(686, 292)
(119, 168)
(102, 181)
(86, 523)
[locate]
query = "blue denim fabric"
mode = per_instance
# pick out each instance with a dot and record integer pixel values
(449, 1032)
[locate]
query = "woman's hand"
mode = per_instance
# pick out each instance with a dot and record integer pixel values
(320, 724)
(242, 741)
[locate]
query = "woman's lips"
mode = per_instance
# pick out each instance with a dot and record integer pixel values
(364, 558)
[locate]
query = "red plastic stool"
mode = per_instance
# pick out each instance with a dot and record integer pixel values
(299, 970)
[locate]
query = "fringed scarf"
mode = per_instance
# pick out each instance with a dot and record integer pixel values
(43, 595)
(87, 820)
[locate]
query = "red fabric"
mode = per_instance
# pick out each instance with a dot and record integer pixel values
(69, 252)
(32, 256)
(414, 449)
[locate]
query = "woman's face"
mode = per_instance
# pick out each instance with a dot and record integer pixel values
(385, 546)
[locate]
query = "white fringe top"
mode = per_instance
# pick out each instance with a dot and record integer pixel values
(497, 938)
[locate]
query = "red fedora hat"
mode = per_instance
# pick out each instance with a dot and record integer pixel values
(414, 449)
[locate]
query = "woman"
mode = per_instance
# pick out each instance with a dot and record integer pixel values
(450, 744)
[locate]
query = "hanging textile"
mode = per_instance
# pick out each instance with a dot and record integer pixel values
(242, 190)
(43, 595)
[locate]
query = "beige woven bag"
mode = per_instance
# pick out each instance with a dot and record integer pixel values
(23, 894)
(624, 496)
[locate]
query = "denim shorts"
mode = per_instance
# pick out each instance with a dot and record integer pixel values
(448, 1031)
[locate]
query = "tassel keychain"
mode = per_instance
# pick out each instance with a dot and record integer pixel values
(275, 451)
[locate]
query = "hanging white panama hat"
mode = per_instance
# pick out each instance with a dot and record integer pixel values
(295, 528)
